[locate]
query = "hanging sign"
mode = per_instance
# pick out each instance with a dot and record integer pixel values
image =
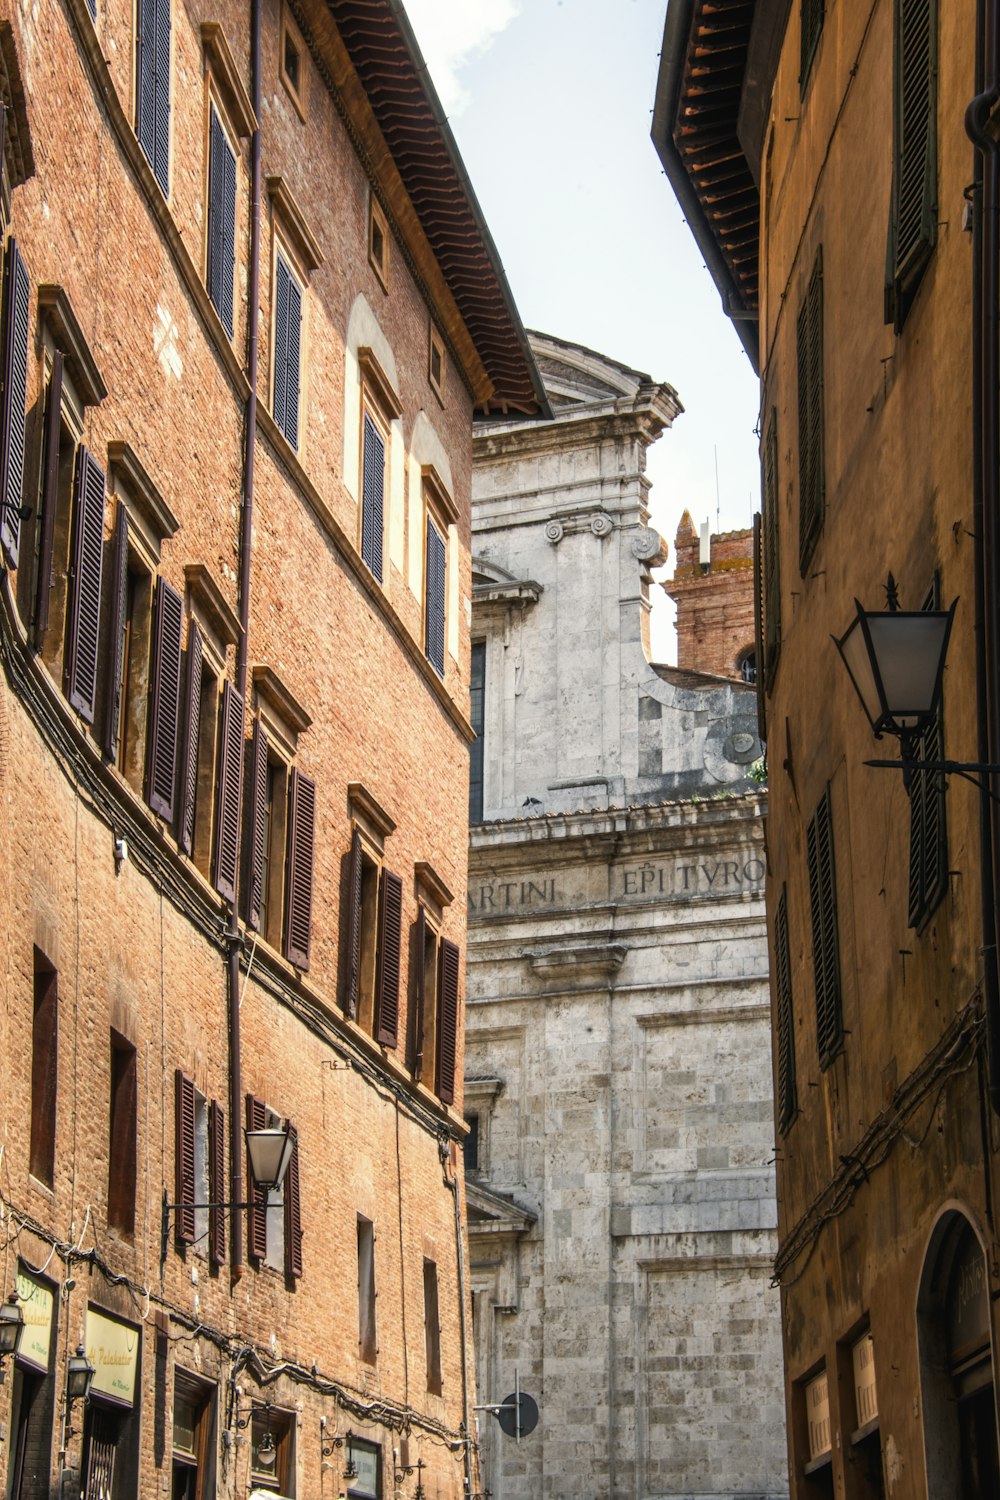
(36, 1305)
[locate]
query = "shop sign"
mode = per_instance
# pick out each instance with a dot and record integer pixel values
(865, 1396)
(818, 1413)
(36, 1304)
(113, 1350)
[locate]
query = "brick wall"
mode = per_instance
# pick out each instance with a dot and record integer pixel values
(715, 630)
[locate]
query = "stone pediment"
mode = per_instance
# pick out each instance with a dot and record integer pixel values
(490, 1212)
(577, 376)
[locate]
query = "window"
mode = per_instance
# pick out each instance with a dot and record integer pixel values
(785, 1027)
(221, 219)
(122, 1144)
(13, 398)
(280, 824)
(826, 949)
(811, 15)
(747, 666)
(193, 1462)
(292, 63)
(432, 1327)
(287, 347)
(152, 113)
(809, 356)
(470, 1146)
(374, 925)
(434, 587)
(437, 1008)
(212, 629)
(928, 825)
(378, 241)
(771, 580)
(435, 362)
(367, 1345)
(44, 1055)
(477, 708)
(200, 1171)
(366, 1460)
(274, 1220)
(913, 210)
(272, 1459)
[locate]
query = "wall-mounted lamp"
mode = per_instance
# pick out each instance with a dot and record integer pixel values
(270, 1152)
(79, 1377)
(328, 1446)
(11, 1328)
(401, 1472)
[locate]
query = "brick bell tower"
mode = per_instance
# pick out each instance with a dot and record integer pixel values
(712, 587)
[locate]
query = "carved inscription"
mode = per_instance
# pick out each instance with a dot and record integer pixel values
(510, 895)
(657, 882)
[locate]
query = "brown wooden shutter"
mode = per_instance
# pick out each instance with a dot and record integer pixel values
(50, 496)
(116, 634)
(421, 994)
(826, 942)
(301, 838)
(256, 825)
(913, 211)
(928, 821)
(230, 794)
(190, 732)
(161, 759)
(390, 937)
(758, 629)
(787, 1099)
(216, 1183)
(447, 1021)
(84, 603)
(809, 356)
(771, 581)
(13, 398)
(354, 928)
(256, 1196)
(184, 1132)
(293, 1210)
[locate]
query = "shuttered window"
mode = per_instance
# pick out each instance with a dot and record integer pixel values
(116, 633)
(216, 1183)
(256, 829)
(787, 1096)
(372, 497)
(432, 1328)
(122, 1143)
(287, 350)
(771, 581)
(187, 790)
(928, 826)
(13, 399)
(811, 14)
(434, 587)
(913, 211)
(447, 1039)
(256, 1196)
(164, 701)
(153, 86)
(301, 839)
(230, 793)
(221, 220)
(44, 1077)
(390, 928)
(49, 503)
(84, 601)
(809, 352)
(826, 943)
(352, 988)
(184, 1186)
(293, 1211)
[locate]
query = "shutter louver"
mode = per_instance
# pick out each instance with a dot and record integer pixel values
(809, 358)
(13, 399)
(50, 496)
(293, 1210)
(84, 604)
(447, 1021)
(301, 836)
(221, 222)
(190, 730)
(281, 285)
(145, 126)
(418, 1027)
(434, 603)
(161, 133)
(256, 825)
(372, 498)
(390, 935)
(353, 988)
(230, 795)
(769, 542)
(913, 210)
(928, 875)
(826, 944)
(787, 1097)
(256, 1196)
(216, 1184)
(116, 656)
(293, 354)
(811, 18)
(161, 764)
(185, 1186)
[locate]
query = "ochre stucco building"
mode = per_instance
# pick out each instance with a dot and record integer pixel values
(243, 341)
(837, 165)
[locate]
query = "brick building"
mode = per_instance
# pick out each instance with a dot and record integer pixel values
(250, 308)
(712, 588)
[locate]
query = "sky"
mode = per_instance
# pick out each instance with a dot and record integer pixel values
(551, 104)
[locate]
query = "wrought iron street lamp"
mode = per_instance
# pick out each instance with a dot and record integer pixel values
(270, 1152)
(11, 1327)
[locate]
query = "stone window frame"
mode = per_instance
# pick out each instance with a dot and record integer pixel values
(297, 89)
(437, 360)
(378, 241)
(480, 1098)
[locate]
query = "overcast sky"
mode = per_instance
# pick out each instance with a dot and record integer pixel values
(551, 104)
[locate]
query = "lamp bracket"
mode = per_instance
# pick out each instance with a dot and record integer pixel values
(168, 1209)
(969, 770)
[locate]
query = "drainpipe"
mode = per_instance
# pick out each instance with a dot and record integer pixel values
(234, 939)
(986, 495)
(451, 1183)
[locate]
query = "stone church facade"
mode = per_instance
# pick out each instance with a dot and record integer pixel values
(618, 1078)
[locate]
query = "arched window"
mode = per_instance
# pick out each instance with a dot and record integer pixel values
(747, 666)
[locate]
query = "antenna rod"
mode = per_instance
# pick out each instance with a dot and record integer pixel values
(718, 502)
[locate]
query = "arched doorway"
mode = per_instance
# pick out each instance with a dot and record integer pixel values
(956, 1366)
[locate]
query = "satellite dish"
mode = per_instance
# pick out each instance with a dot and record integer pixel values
(518, 1404)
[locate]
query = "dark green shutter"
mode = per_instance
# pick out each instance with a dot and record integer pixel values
(826, 942)
(372, 497)
(434, 584)
(787, 1098)
(287, 352)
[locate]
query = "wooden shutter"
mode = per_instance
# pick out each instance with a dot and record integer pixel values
(293, 355)
(221, 221)
(184, 1217)
(256, 825)
(190, 732)
(116, 635)
(353, 987)
(421, 995)
(447, 1021)
(928, 824)
(161, 161)
(434, 602)
(230, 794)
(301, 836)
(826, 943)
(771, 556)
(164, 702)
(293, 1210)
(256, 1196)
(913, 211)
(811, 16)
(153, 87)
(787, 1099)
(809, 357)
(13, 398)
(372, 496)
(758, 628)
(84, 604)
(390, 937)
(216, 1183)
(281, 284)
(50, 496)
